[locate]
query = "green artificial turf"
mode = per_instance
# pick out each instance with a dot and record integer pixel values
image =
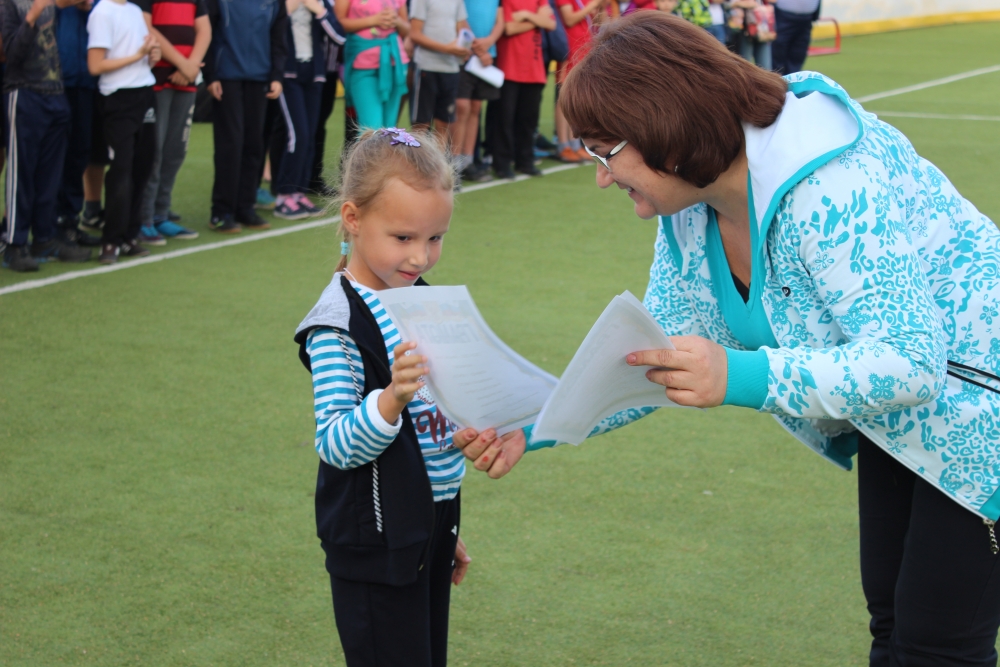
(157, 468)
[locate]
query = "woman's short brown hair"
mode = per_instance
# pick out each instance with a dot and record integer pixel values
(673, 91)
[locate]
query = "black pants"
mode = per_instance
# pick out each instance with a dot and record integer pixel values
(789, 49)
(238, 130)
(81, 105)
(327, 99)
(130, 131)
(928, 573)
(392, 626)
(519, 106)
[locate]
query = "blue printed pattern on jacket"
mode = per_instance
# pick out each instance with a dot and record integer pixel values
(877, 273)
(350, 433)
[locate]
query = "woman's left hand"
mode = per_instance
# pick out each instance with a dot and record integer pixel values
(462, 560)
(695, 374)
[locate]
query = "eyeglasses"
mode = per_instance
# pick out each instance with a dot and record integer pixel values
(603, 161)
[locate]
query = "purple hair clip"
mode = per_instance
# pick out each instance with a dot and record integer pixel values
(399, 136)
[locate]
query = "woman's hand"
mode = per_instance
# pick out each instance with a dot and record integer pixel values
(407, 370)
(462, 561)
(490, 454)
(695, 374)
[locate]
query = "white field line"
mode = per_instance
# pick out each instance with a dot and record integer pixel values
(933, 116)
(930, 84)
(173, 254)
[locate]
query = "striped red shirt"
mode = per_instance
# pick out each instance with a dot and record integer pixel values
(175, 21)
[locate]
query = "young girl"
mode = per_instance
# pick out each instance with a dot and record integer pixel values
(374, 59)
(387, 496)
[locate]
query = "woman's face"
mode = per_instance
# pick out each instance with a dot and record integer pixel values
(652, 192)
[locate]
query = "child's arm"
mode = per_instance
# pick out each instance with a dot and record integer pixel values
(188, 67)
(523, 21)
(425, 42)
(481, 47)
(384, 19)
(571, 18)
(349, 432)
(324, 13)
(98, 62)
(20, 36)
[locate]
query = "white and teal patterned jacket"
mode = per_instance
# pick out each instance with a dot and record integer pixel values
(877, 274)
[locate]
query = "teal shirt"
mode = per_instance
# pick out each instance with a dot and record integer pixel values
(747, 369)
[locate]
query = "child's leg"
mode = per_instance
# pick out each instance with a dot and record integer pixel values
(123, 118)
(142, 163)
(364, 93)
(24, 133)
(529, 103)
(442, 565)
(503, 140)
(391, 108)
(254, 113)
(228, 126)
(313, 96)
(78, 151)
(176, 116)
(293, 108)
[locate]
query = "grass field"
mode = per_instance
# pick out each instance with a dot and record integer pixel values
(157, 469)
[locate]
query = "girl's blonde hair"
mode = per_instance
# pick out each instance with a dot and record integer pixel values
(379, 155)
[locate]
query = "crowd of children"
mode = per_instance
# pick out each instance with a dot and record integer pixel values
(99, 98)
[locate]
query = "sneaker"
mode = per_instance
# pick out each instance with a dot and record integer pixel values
(288, 208)
(253, 221)
(505, 173)
(542, 142)
(531, 171)
(17, 258)
(70, 232)
(109, 253)
(224, 225)
(173, 217)
(133, 249)
(264, 199)
(149, 236)
(93, 222)
(477, 174)
(569, 155)
(58, 248)
(172, 230)
(307, 204)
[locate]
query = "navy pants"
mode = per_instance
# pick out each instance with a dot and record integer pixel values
(327, 100)
(238, 132)
(929, 575)
(390, 626)
(81, 105)
(300, 102)
(36, 147)
(790, 47)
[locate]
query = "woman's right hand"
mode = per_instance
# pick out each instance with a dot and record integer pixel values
(490, 454)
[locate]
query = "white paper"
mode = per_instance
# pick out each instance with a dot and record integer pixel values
(492, 75)
(475, 378)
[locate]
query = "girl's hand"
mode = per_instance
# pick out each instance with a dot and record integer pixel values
(490, 454)
(386, 19)
(695, 374)
(462, 561)
(406, 372)
(315, 6)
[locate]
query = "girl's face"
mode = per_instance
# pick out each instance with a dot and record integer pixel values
(398, 238)
(652, 192)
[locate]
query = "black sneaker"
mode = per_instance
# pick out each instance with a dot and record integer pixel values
(17, 258)
(476, 174)
(71, 233)
(224, 225)
(173, 217)
(324, 190)
(60, 249)
(530, 171)
(133, 249)
(252, 221)
(505, 173)
(93, 222)
(109, 253)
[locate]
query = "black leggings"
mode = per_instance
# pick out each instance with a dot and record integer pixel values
(930, 577)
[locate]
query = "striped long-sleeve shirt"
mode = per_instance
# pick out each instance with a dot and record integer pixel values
(351, 432)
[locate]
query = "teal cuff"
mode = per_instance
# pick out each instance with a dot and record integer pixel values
(747, 378)
(532, 446)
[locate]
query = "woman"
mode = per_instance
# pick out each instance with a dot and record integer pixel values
(811, 265)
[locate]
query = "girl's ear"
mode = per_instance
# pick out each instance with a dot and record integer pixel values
(349, 217)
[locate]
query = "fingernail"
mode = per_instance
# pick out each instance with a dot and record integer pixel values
(630, 359)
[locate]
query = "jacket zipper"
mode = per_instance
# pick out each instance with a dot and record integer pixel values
(993, 536)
